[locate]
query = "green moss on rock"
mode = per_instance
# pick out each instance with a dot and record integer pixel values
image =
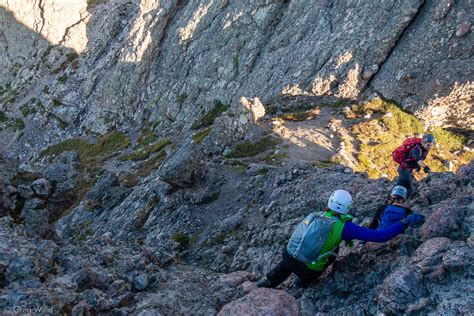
(199, 136)
(250, 149)
(144, 153)
(182, 239)
(208, 119)
(62, 79)
(3, 117)
(209, 198)
(103, 149)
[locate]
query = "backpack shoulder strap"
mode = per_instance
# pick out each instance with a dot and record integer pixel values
(342, 218)
(409, 155)
(376, 218)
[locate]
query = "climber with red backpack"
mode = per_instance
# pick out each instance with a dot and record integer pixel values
(315, 242)
(410, 156)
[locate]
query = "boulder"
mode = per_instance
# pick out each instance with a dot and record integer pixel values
(140, 282)
(96, 299)
(430, 253)
(36, 221)
(183, 168)
(25, 192)
(459, 256)
(263, 301)
(88, 278)
(443, 222)
(441, 186)
(399, 289)
(20, 268)
(465, 173)
(255, 107)
(105, 194)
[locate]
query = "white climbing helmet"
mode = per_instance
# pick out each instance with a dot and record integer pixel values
(401, 191)
(340, 201)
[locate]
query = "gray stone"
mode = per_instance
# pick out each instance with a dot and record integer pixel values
(81, 309)
(59, 172)
(159, 65)
(36, 221)
(118, 287)
(25, 192)
(463, 29)
(96, 299)
(183, 168)
(63, 197)
(88, 278)
(150, 312)
(41, 187)
(22, 268)
(105, 194)
(140, 282)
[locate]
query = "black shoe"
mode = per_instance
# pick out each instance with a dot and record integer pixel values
(299, 282)
(264, 282)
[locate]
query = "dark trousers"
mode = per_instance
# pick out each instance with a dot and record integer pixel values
(289, 265)
(405, 178)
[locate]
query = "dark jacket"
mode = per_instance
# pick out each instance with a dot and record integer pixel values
(417, 153)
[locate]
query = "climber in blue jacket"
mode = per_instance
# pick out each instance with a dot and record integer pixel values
(393, 211)
(343, 229)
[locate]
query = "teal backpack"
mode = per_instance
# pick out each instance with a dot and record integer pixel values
(309, 236)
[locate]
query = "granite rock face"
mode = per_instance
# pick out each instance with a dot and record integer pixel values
(119, 64)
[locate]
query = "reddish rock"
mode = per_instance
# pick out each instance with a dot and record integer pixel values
(430, 253)
(458, 256)
(367, 74)
(248, 286)
(465, 173)
(443, 222)
(263, 301)
(234, 279)
(463, 29)
(400, 289)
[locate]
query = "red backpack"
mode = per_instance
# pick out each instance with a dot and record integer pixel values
(402, 151)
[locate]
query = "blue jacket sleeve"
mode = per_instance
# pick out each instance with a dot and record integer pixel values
(353, 231)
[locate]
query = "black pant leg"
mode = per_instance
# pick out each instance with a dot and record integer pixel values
(305, 274)
(405, 179)
(278, 274)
